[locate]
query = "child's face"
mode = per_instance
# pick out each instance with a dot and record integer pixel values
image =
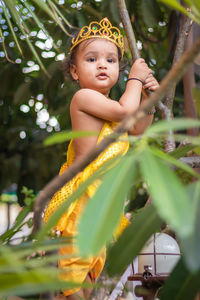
(96, 65)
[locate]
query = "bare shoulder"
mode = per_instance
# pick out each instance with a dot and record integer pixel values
(86, 96)
(97, 105)
(87, 92)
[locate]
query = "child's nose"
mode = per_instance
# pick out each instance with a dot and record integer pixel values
(102, 64)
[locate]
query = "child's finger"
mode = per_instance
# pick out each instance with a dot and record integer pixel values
(152, 85)
(150, 77)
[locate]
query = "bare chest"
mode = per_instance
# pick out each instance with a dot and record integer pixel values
(85, 122)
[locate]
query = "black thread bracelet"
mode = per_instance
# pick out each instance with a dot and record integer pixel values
(133, 78)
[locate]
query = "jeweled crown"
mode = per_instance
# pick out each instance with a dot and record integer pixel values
(104, 30)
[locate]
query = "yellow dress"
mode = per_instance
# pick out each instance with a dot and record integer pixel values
(76, 268)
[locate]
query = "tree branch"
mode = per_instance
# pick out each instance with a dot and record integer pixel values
(192, 161)
(128, 29)
(169, 100)
(134, 50)
(172, 77)
(180, 47)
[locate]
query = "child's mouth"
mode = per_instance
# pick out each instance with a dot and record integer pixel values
(102, 76)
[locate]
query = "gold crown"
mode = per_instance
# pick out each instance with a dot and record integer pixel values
(104, 30)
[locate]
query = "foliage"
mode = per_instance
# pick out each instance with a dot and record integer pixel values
(192, 13)
(23, 270)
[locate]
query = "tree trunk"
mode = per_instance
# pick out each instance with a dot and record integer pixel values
(188, 85)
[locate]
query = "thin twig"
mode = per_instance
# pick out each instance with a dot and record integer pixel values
(134, 50)
(192, 161)
(128, 29)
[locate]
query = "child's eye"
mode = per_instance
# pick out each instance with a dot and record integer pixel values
(110, 60)
(91, 59)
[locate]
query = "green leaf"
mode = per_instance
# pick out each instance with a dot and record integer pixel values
(59, 13)
(35, 260)
(195, 7)
(194, 15)
(52, 14)
(63, 136)
(11, 4)
(150, 12)
(37, 21)
(168, 193)
(191, 244)
(23, 27)
(27, 248)
(32, 48)
(181, 285)
(197, 4)
(114, 10)
(40, 24)
(195, 140)
(103, 211)
(11, 29)
(19, 219)
(143, 225)
(182, 151)
(174, 4)
(177, 163)
(22, 93)
(197, 150)
(176, 124)
(32, 282)
(196, 97)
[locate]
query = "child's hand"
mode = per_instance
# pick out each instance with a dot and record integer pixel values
(140, 70)
(151, 83)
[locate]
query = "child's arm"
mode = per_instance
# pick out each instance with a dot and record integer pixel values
(96, 104)
(151, 84)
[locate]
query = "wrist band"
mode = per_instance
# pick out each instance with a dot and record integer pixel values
(133, 78)
(151, 112)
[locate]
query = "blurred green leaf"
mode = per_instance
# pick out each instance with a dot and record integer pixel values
(61, 137)
(177, 163)
(12, 29)
(197, 150)
(176, 124)
(194, 14)
(32, 282)
(22, 93)
(28, 247)
(194, 140)
(59, 13)
(196, 97)
(181, 285)
(17, 225)
(21, 274)
(191, 244)
(51, 13)
(168, 193)
(150, 11)
(175, 4)
(197, 4)
(103, 211)
(143, 225)
(182, 151)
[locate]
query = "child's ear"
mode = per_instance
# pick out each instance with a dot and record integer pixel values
(73, 71)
